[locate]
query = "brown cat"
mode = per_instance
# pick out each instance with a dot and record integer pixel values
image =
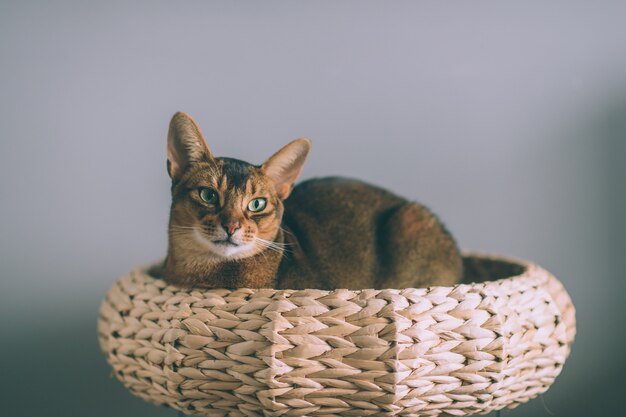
(233, 224)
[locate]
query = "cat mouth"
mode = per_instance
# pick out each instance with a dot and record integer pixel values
(226, 242)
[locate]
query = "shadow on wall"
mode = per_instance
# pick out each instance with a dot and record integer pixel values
(55, 368)
(615, 145)
(592, 382)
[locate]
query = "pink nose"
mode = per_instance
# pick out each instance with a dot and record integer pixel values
(231, 227)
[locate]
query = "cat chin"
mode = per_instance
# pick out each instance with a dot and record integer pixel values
(230, 251)
(222, 251)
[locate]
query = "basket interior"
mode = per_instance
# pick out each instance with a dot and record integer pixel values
(476, 269)
(481, 269)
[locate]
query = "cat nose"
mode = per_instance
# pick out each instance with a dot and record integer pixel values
(231, 227)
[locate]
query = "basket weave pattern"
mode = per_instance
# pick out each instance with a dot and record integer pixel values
(461, 350)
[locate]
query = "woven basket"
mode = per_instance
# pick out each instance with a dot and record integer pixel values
(461, 350)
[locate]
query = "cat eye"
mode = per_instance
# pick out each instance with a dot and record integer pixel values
(257, 204)
(208, 196)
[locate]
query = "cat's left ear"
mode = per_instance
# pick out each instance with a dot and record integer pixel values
(285, 166)
(185, 145)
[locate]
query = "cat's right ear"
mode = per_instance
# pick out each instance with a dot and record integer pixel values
(284, 166)
(185, 144)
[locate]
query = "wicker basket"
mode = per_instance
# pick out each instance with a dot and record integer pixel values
(461, 350)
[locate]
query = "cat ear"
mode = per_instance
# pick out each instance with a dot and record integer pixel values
(185, 144)
(285, 165)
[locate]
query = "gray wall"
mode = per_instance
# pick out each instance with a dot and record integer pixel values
(506, 119)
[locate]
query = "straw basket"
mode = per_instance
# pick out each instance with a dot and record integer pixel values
(461, 350)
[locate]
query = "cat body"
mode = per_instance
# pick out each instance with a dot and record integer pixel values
(349, 234)
(234, 224)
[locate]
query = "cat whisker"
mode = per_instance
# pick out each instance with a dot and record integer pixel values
(269, 242)
(266, 242)
(184, 231)
(180, 232)
(273, 246)
(285, 231)
(262, 243)
(189, 229)
(263, 247)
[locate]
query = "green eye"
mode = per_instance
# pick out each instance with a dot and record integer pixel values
(208, 196)
(257, 204)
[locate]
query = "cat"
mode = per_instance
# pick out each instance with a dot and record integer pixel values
(234, 224)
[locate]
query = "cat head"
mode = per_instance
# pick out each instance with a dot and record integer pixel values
(224, 208)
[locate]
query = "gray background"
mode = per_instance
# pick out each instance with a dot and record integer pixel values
(508, 120)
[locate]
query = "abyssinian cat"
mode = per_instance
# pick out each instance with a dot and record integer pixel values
(234, 224)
